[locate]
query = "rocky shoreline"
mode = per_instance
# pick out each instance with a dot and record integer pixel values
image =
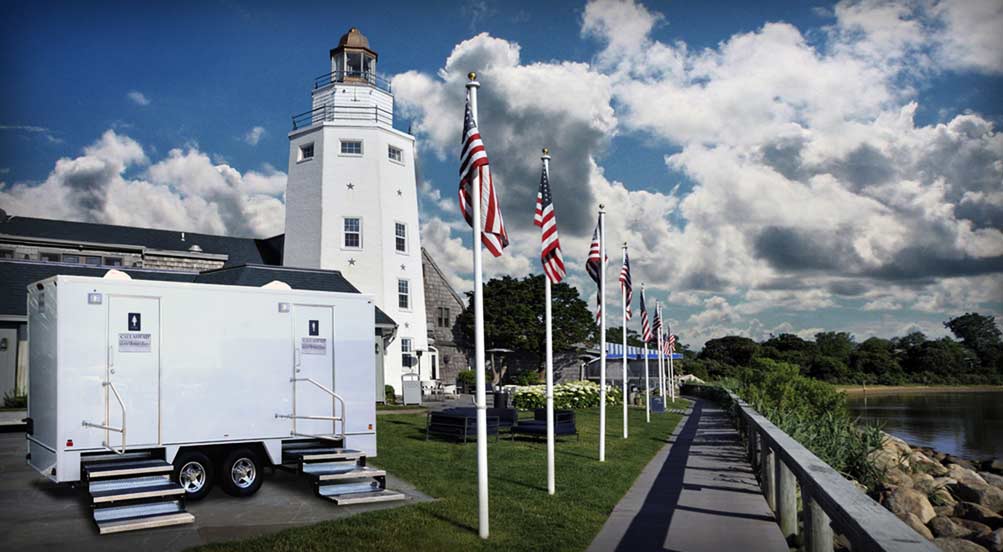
(954, 502)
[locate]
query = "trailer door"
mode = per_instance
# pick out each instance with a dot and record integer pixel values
(134, 368)
(313, 358)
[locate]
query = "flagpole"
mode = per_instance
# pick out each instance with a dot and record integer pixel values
(623, 304)
(647, 383)
(672, 378)
(602, 334)
(482, 430)
(550, 362)
(661, 356)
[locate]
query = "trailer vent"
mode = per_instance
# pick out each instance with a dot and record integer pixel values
(116, 275)
(277, 284)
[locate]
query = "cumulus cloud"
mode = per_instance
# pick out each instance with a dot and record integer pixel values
(184, 191)
(138, 98)
(253, 136)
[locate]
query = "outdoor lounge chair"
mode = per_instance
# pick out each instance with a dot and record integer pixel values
(564, 424)
(461, 423)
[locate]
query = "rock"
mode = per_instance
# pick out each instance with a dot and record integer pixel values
(923, 482)
(923, 463)
(993, 541)
(894, 444)
(996, 466)
(888, 459)
(974, 528)
(904, 500)
(979, 513)
(964, 475)
(946, 510)
(957, 545)
(895, 477)
(911, 520)
(942, 498)
(943, 526)
(992, 479)
(951, 459)
(984, 494)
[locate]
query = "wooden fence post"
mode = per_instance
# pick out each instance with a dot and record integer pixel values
(769, 474)
(817, 531)
(786, 499)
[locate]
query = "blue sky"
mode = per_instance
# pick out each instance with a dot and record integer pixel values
(200, 76)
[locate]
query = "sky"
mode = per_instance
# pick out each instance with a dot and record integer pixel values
(773, 166)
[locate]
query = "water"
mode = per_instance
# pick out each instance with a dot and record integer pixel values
(969, 425)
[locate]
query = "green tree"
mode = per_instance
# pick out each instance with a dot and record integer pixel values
(615, 335)
(514, 317)
(836, 345)
(981, 334)
(874, 361)
(732, 350)
(791, 349)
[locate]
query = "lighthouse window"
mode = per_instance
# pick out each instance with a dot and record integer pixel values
(395, 154)
(306, 151)
(403, 294)
(354, 64)
(353, 233)
(351, 147)
(400, 237)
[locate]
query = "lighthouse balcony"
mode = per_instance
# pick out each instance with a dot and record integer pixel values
(348, 115)
(352, 77)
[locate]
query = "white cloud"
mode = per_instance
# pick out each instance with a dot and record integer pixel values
(184, 191)
(138, 98)
(254, 135)
(33, 129)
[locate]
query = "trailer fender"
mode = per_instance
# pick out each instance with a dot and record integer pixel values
(273, 447)
(170, 452)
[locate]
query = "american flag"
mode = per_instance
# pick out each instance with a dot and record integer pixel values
(672, 343)
(625, 284)
(550, 249)
(657, 325)
(593, 265)
(645, 323)
(474, 166)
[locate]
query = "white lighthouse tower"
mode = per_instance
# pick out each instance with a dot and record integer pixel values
(351, 198)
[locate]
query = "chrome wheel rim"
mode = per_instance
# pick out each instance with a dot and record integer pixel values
(192, 477)
(243, 473)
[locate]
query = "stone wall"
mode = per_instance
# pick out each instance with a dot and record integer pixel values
(439, 294)
(180, 263)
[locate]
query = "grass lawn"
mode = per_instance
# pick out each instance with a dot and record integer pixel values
(381, 407)
(523, 516)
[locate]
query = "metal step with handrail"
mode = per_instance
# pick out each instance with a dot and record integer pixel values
(106, 426)
(335, 436)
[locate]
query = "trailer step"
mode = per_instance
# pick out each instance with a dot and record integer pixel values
(150, 490)
(351, 487)
(366, 498)
(94, 459)
(128, 467)
(319, 454)
(148, 522)
(340, 474)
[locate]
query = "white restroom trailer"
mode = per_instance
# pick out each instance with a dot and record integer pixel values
(150, 391)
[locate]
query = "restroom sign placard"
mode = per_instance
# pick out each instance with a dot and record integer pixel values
(132, 342)
(314, 345)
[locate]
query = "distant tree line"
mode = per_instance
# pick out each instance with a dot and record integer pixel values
(975, 356)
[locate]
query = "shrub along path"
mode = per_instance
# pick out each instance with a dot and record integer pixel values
(523, 515)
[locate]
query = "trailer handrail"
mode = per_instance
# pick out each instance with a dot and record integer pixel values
(106, 425)
(333, 418)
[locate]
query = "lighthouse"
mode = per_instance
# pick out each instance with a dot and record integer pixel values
(351, 199)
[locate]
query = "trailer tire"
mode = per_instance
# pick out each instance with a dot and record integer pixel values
(193, 470)
(240, 473)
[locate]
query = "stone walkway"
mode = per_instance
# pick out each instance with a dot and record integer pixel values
(698, 493)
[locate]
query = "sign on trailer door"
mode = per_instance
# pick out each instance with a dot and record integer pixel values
(313, 357)
(134, 368)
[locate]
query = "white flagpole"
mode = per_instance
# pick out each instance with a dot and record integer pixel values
(482, 429)
(602, 334)
(647, 383)
(661, 356)
(623, 385)
(672, 379)
(550, 364)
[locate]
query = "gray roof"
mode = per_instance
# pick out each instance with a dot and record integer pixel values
(240, 250)
(15, 275)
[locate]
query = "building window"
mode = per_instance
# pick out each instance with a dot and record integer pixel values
(445, 360)
(351, 147)
(306, 152)
(75, 259)
(407, 359)
(113, 261)
(442, 317)
(353, 233)
(403, 295)
(400, 237)
(93, 261)
(395, 154)
(6, 253)
(50, 257)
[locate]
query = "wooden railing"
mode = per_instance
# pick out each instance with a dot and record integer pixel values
(830, 501)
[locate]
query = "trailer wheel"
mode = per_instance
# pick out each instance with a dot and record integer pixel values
(240, 473)
(194, 471)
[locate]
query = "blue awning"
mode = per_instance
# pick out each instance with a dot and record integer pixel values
(615, 351)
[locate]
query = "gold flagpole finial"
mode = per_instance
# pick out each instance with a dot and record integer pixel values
(472, 76)
(546, 151)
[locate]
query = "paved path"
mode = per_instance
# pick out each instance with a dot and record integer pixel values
(698, 493)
